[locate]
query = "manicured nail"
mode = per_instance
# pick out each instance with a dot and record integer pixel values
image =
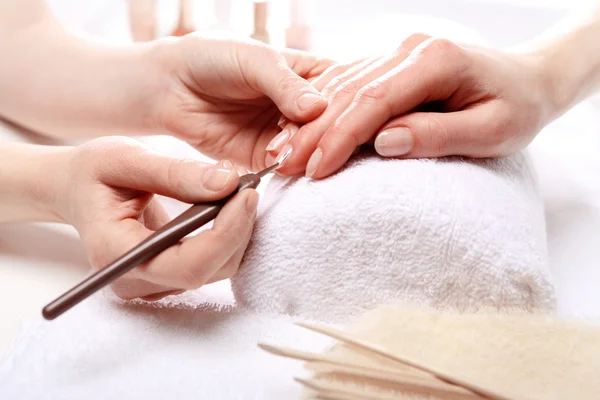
(394, 142)
(226, 164)
(242, 171)
(313, 162)
(278, 141)
(308, 100)
(216, 179)
(284, 155)
(282, 121)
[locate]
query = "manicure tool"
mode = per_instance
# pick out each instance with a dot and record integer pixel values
(193, 218)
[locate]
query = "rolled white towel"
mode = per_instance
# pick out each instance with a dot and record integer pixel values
(444, 233)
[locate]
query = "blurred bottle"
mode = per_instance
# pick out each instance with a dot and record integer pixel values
(185, 24)
(261, 16)
(142, 20)
(298, 33)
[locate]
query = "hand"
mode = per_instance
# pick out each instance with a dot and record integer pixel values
(107, 195)
(224, 97)
(430, 98)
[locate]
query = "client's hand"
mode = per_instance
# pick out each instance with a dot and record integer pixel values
(225, 96)
(429, 98)
(107, 195)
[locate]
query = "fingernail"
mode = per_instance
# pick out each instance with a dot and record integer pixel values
(282, 121)
(242, 171)
(394, 142)
(226, 164)
(313, 162)
(251, 203)
(216, 179)
(284, 155)
(308, 100)
(278, 141)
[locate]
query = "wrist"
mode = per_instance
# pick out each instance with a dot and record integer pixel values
(557, 86)
(32, 183)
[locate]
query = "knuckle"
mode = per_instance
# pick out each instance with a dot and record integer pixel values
(413, 41)
(371, 93)
(440, 47)
(175, 174)
(441, 138)
(289, 82)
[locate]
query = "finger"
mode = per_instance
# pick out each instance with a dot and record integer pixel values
(183, 179)
(161, 295)
(193, 262)
(231, 267)
(340, 92)
(278, 142)
(129, 287)
(476, 132)
(154, 216)
(305, 64)
(295, 97)
(334, 71)
(433, 72)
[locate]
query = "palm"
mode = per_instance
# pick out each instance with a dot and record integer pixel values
(234, 130)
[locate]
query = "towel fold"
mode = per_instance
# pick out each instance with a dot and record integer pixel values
(447, 233)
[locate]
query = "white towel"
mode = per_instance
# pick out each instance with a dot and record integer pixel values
(180, 349)
(446, 233)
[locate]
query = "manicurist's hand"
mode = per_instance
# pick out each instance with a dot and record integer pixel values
(112, 206)
(429, 98)
(225, 97)
(106, 188)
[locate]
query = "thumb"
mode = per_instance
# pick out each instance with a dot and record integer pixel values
(186, 180)
(295, 97)
(427, 135)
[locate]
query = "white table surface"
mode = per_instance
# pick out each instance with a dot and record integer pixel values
(38, 262)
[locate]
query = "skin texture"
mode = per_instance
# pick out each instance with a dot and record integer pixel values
(113, 208)
(446, 99)
(221, 95)
(226, 98)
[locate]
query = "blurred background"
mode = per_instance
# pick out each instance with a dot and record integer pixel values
(331, 22)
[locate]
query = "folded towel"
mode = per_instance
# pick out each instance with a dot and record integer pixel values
(442, 233)
(182, 348)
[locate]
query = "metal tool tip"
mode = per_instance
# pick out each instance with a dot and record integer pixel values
(267, 170)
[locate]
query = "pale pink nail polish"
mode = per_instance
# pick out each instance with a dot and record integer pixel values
(284, 155)
(313, 162)
(227, 164)
(308, 100)
(278, 141)
(394, 142)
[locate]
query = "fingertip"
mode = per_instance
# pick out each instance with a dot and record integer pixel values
(217, 182)
(308, 106)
